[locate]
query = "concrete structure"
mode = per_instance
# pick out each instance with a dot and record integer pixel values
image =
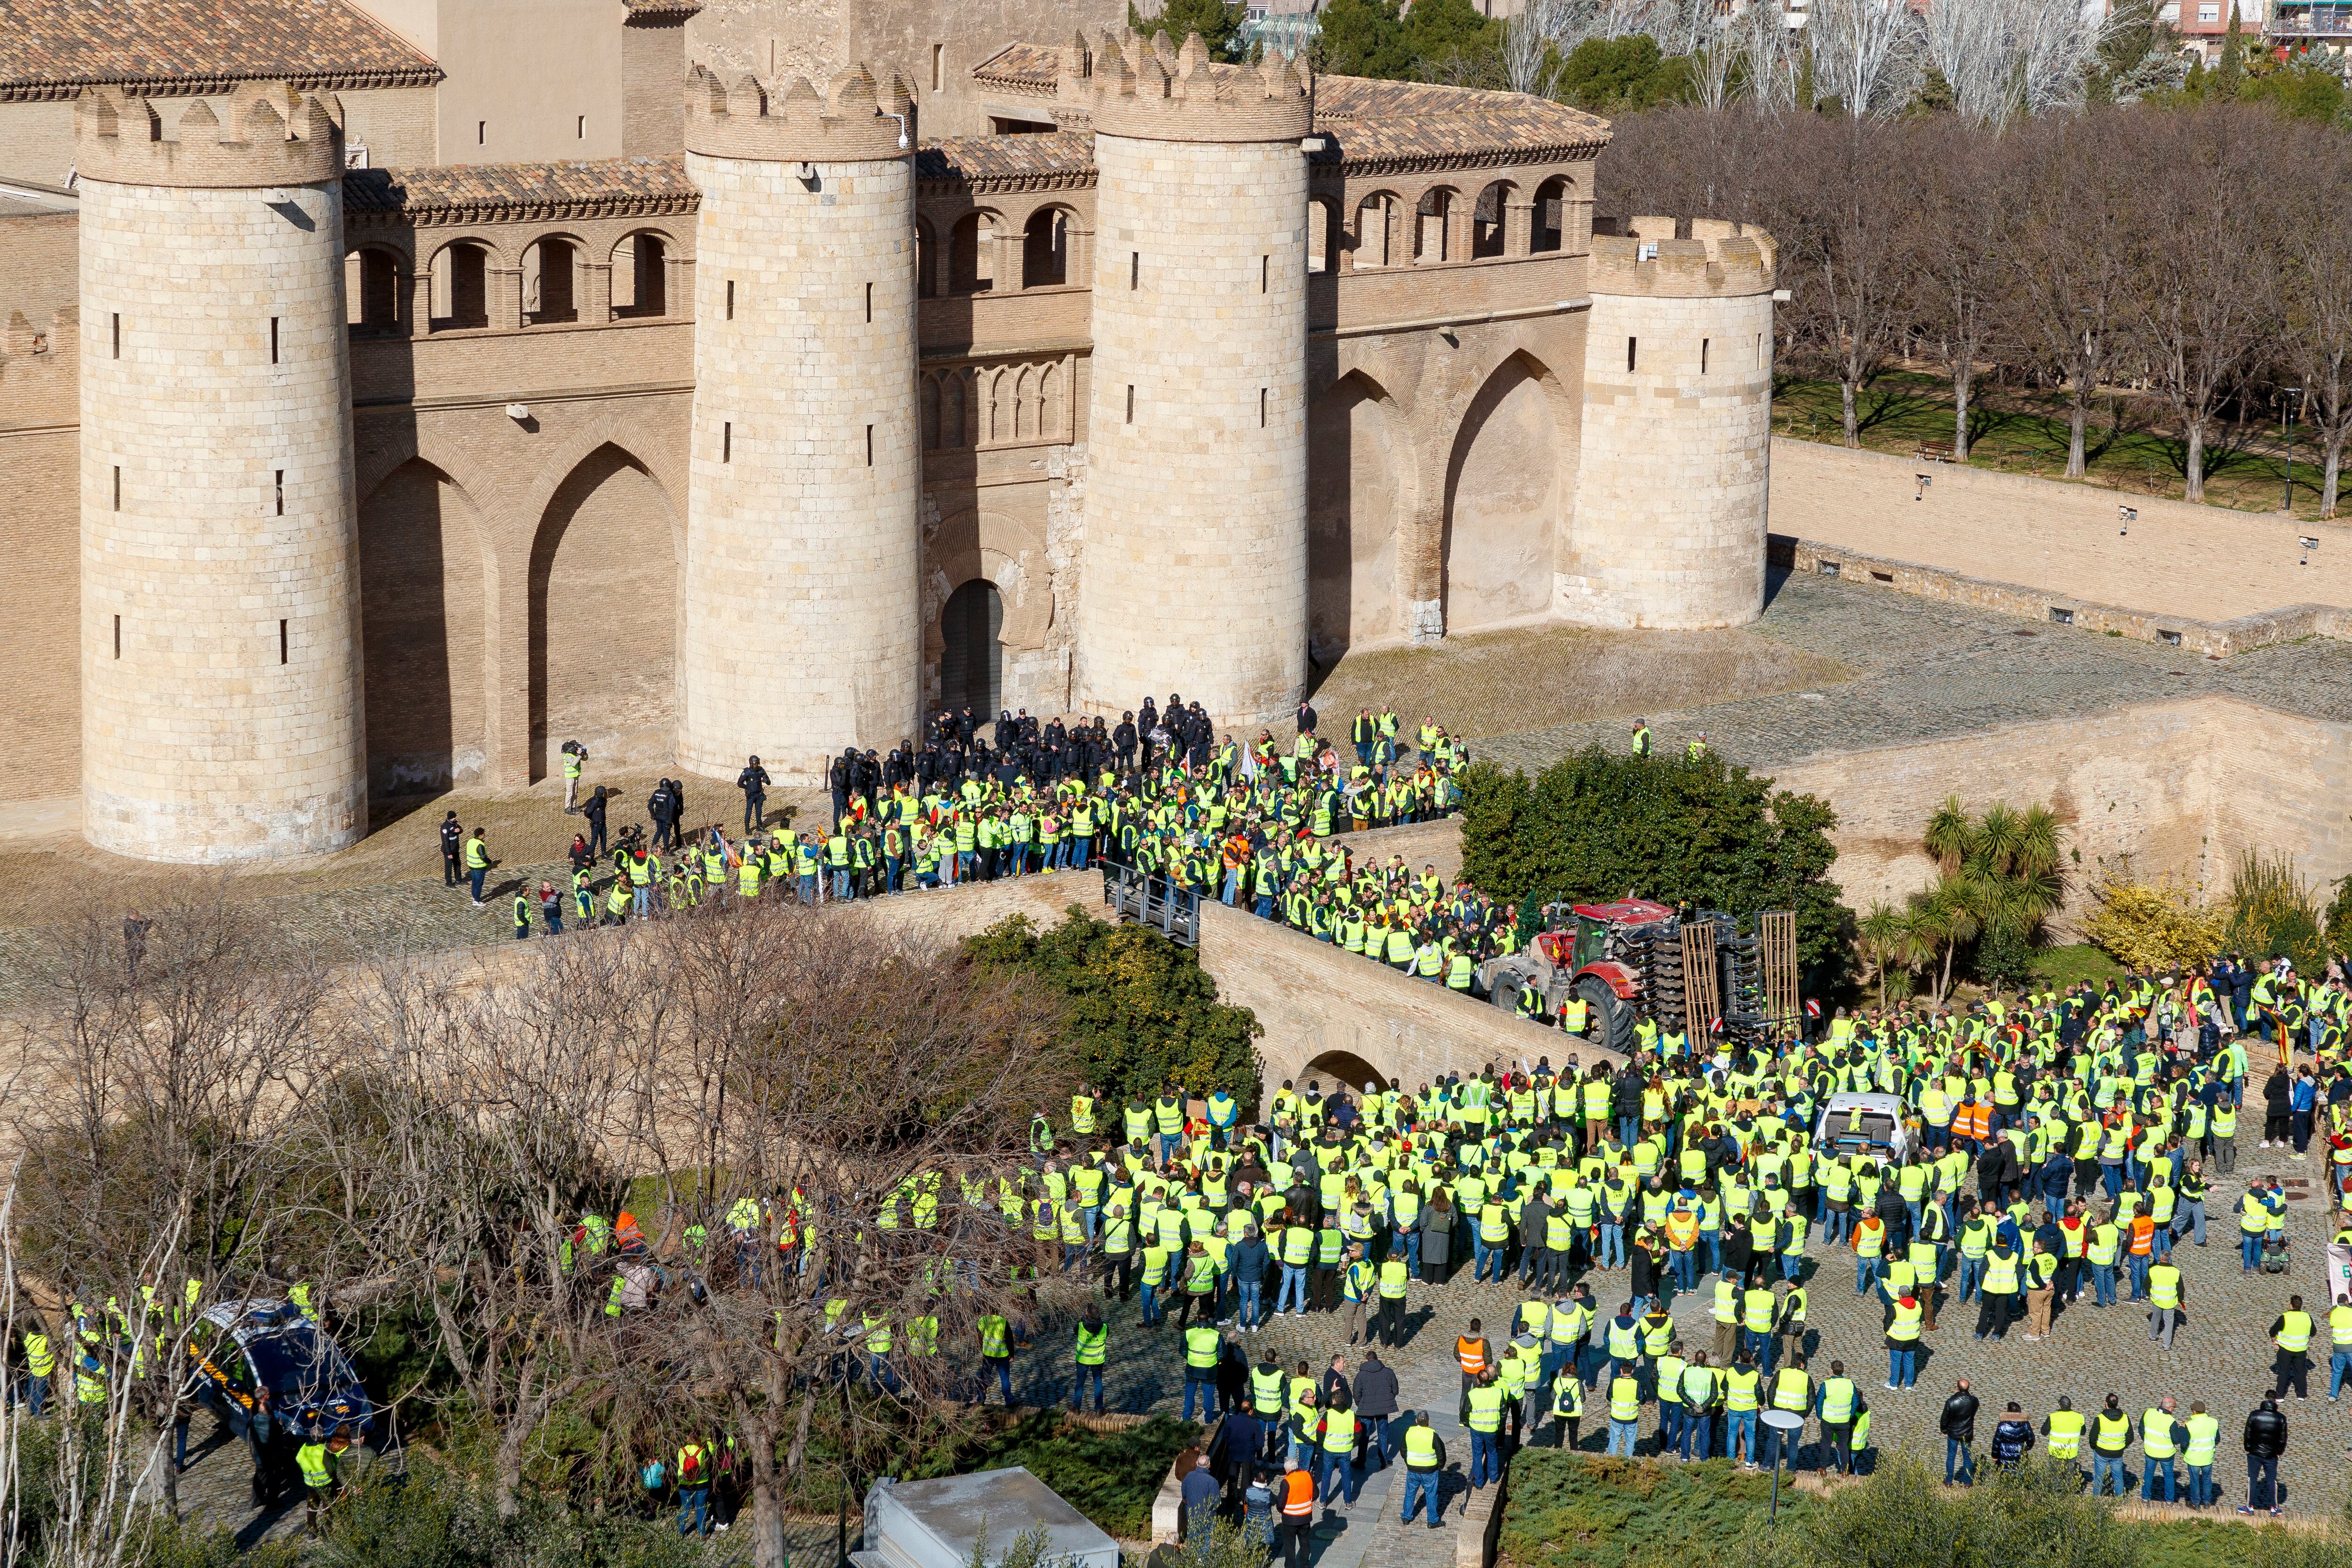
(947, 1522)
(220, 614)
(1196, 499)
(589, 505)
(1678, 422)
(802, 539)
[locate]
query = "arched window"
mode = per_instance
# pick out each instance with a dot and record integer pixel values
(461, 275)
(927, 286)
(971, 255)
(1045, 249)
(1432, 224)
(1376, 231)
(1550, 214)
(1490, 221)
(548, 270)
(640, 286)
(1321, 217)
(371, 292)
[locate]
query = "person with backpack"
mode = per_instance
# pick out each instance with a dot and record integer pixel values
(693, 1487)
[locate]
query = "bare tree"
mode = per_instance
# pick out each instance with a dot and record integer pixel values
(2003, 58)
(1865, 54)
(2317, 294)
(2204, 264)
(2068, 279)
(1843, 184)
(1957, 250)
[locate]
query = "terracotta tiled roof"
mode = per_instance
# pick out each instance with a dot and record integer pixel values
(53, 49)
(1046, 158)
(1385, 121)
(607, 187)
(678, 8)
(1026, 68)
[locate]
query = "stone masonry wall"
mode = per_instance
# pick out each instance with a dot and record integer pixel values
(803, 543)
(1668, 521)
(222, 720)
(1196, 507)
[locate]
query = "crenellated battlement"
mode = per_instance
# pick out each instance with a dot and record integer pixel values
(1640, 256)
(1132, 86)
(736, 117)
(273, 136)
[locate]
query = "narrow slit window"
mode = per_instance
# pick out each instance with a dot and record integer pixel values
(273, 339)
(1632, 344)
(481, 132)
(1261, 407)
(939, 68)
(117, 327)
(117, 636)
(1759, 350)
(281, 493)
(869, 446)
(580, 132)
(118, 486)
(1131, 403)
(281, 642)
(1135, 270)
(869, 303)
(727, 441)
(1265, 273)
(1701, 355)
(731, 298)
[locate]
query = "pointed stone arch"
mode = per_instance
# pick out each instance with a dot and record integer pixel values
(1505, 492)
(1360, 500)
(425, 581)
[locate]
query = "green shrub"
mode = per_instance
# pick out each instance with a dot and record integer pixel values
(1703, 832)
(1142, 1012)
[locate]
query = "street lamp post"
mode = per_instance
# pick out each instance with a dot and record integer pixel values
(2286, 499)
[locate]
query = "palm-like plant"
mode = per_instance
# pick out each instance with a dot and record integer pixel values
(1998, 880)
(1948, 836)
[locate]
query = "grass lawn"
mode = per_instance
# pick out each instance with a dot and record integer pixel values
(2063, 967)
(2022, 431)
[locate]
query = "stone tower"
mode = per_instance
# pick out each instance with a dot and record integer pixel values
(802, 585)
(220, 661)
(1669, 529)
(1195, 559)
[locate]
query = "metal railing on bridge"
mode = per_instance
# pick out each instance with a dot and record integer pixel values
(1153, 902)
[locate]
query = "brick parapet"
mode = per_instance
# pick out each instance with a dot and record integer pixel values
(273, 136)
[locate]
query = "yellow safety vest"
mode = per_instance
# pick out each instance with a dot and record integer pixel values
(2294, 1331)
(2066, 1433)
(1624, 1401)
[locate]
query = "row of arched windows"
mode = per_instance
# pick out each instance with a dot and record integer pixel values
(382, 297)
(977, 406)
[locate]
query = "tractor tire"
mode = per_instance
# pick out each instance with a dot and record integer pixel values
(1503, 991)
(1612, 1017)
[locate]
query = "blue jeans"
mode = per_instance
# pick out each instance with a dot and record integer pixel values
(1972, 1274)
(1150, 1305)
(1685, 1264)
(1253, 1312)
(1739, 1434)
(1902, 1367)
(1698, 1430)
(1670, 1423)
(641, 898)
(1329, 1464)
(2140, 1266)
(694, 1511)
(36, 1393)
(2339, 1367)
(1486, 1457)
(2103, 1284)
(1960, 1465)
(2149, 1470)
(1408, 1244)
(1622, 1436)
(1779, 1444)
(1485, 1249)
(1419, 1484)
(475, 876)
(841, 883)
(1612, 1245)
(2250, 1247)
(1293, 1273)
(1002, 1367)
(1080, 849)
(1208, 1392)
(2200, 1485)
(1078, 1388)
(1865, 1273)
(1760, 1349)
(2104, 1469)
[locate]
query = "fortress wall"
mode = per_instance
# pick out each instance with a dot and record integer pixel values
(2180, 788)
(2193, 563)
(41, 747)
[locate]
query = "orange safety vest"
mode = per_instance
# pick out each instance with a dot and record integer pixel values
(2142, 1235)
(1298, 1494)
(1472, 1354)
(1682, 1229)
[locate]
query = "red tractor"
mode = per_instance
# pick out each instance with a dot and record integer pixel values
(1610, 956)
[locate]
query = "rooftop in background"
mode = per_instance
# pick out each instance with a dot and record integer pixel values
(1378, 120)
(53, 49)
(603, 187)
(941, 1523)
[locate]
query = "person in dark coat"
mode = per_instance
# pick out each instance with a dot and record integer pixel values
(1958, 1425)
(1375, 1394)
(2266, 1440)
(1437, 1240)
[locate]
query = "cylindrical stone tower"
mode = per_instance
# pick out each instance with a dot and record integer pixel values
(1194, 576)
(803, 544)
(220, 674)
(1669, 529)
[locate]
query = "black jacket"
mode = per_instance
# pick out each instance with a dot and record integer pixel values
(1959, 1418)
(752, 780)
(1376, 1388)
(2266, 1432)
